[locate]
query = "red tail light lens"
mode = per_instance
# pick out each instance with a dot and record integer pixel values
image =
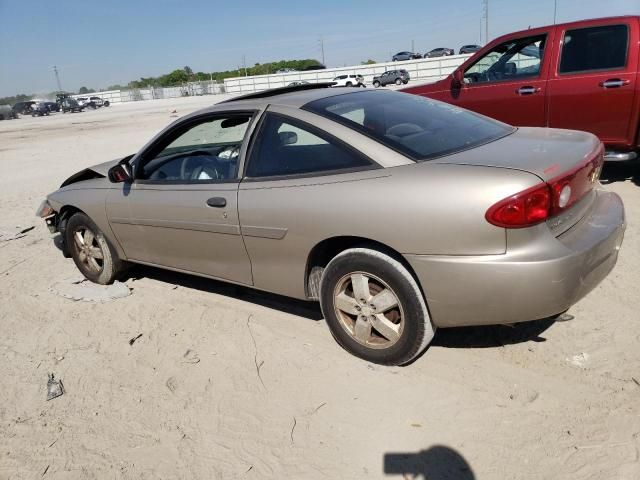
(538, 203)
(523, 209)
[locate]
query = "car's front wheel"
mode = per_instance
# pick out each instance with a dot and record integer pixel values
(374, 307)
(376, 84)
(90, 250)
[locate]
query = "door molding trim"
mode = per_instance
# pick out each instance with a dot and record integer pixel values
(223, 228)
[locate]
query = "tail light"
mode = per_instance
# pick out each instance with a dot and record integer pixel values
(538, 203)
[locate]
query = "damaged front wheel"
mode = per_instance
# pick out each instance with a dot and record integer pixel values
(90, 251)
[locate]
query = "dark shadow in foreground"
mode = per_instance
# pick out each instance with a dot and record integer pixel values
(491, 336)
(302, 308)
(621, 172)
(436, 463)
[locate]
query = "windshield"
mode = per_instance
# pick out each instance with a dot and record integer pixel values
(419, 127)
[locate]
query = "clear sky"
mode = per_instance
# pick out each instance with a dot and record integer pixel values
(99, 43)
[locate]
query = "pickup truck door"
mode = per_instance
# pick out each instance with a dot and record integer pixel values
(509, 81)
(594, 81)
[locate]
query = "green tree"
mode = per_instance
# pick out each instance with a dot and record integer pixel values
(368, 62)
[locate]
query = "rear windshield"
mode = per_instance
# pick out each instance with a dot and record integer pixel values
(418, 127)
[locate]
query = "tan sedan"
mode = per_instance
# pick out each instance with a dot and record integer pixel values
(399, 214)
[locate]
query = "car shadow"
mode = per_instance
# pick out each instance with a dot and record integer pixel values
(435, 463)
(620, 172)
(306, 309)
(492, 336)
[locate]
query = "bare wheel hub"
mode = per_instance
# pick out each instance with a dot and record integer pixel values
(368, 310)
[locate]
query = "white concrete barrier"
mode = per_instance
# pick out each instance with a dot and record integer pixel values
(423, 70)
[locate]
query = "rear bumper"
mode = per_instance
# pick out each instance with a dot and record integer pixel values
(542, 278)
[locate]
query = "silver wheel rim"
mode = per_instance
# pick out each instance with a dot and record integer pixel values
(88, 250)
(368, 310)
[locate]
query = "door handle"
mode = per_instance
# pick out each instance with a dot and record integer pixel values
(217, 202)
(527, 90)
(614, 83)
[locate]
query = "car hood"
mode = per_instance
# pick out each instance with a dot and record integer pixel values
(544, 152)
(97, 171)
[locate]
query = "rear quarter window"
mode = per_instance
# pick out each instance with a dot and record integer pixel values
(418, 127)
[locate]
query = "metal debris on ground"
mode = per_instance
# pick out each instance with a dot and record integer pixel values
(54, 388)
(81, 289)
(6, 236)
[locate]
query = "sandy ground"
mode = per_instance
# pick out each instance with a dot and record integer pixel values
(187, 400)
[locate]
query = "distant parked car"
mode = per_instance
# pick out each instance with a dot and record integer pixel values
(39, 109)
(52, 106)
(99, 102)
(6, 112)
(391, 76)
(317, 66)
(23, 108)
(298, 82)
(286, 70)
(405, 56)
(439, 52)
(348, 81)
(469, 49)
(69, 104)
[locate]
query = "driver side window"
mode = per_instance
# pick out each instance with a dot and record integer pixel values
(205, 150)
(512, 60)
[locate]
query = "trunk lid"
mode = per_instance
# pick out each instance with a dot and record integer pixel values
(545, 152)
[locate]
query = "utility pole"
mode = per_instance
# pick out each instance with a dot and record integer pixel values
(486, 20)
(55, 70)
(244, 65)
(412, 46)
(555, 11)
(322, 49)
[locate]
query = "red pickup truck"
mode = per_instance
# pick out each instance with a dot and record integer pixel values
(581, 76)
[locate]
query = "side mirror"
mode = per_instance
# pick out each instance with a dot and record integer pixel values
(458, 78)
(120, 173)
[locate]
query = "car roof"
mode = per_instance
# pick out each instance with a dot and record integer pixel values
(294, 96)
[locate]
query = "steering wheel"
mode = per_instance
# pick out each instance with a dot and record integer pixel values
(229, 152)
(212, 171)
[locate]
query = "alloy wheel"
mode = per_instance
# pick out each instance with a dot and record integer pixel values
(368, 310)
(88, 250)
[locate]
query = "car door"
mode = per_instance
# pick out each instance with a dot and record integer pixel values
(181, 210)
(594, 82)
(294, 176)
(508, 83)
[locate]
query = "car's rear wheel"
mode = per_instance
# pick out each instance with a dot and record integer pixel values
(374, 307)
(398, 81)
(90, 250)
(376, 84)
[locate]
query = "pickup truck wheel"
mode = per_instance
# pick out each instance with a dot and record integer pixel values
(374, 307)
(90, 251)
(405, 81)
(376, 84)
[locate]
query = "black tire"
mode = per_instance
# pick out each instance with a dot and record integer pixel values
(414, 322)
(349, 84)
(405, 81)
(109, 267)
(106, 103)
(398, 81)
(376, 84)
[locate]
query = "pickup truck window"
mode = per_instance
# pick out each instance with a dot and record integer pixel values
(512, 60)
(595, 48)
